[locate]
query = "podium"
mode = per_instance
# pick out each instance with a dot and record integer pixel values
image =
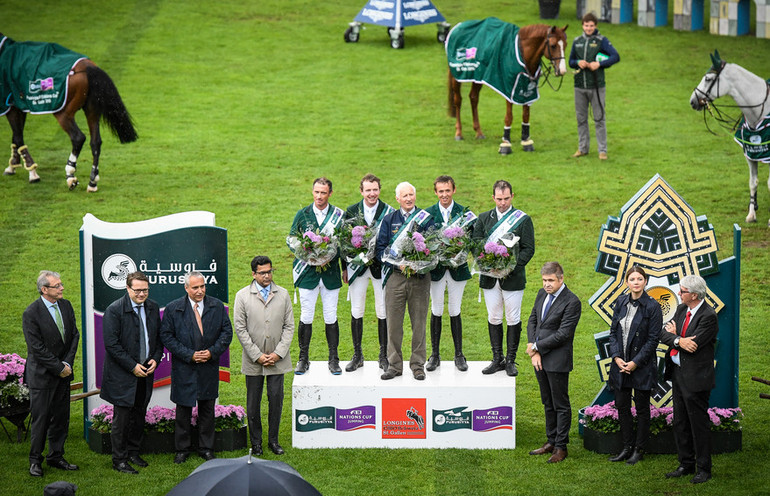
(449, 409)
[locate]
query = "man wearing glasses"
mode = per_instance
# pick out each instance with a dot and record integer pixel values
(264, 323)
(52, 339)
(132, 344)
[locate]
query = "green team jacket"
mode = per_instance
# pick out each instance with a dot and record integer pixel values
(586, 48)
(516, 280)
(461, 273)
(332, 278)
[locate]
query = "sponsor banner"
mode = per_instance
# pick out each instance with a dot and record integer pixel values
(403, 13)
(362, 417)
(315, 418)
(403, 418)
(451, 419)
(492, 419)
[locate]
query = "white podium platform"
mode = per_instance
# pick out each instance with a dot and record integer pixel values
(449, 409)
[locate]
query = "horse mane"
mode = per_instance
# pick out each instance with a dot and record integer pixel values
(532, 39)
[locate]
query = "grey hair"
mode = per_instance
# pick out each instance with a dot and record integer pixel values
(696, 285)
(187, 277)
(404, 185)
(42, 279)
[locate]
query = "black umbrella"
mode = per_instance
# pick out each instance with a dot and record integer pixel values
(243, 476)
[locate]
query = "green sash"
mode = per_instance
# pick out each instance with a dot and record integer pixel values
(508, 223)
(355, 270)
(419, 217)
(327, 228)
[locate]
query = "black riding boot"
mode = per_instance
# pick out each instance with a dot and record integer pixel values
(333, 339)
(496, 339)
(304, 333)
(512, 342)
(456, 324)
(435, 337)
(382, 334)
(623, 455)
(357, 331)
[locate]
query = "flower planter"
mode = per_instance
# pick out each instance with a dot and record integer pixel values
(661, 443)
(549, 9)
(17, 414)
(163, 442)
(726, 441)
(602, 442)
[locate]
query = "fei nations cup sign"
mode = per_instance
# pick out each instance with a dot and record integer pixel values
(165, 249)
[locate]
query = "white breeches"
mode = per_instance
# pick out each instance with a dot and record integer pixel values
(498, 300)
(307, 301)
(357, 295)
(455, 291)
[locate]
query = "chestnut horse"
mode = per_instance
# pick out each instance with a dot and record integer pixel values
(536, 41)
(88, 88)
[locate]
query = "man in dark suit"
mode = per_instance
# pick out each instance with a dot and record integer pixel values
(196, 330)
(505, 295)
(357, 276)
(52, 339)
(447, 278)
(690, 368)
(322, 218)
(402, 291)
(550, 333)
(132, 342)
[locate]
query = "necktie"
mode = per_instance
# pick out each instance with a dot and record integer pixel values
(684, 329)
(59, 322)
(548, 305)
(265, 293)
(142, 336)
(198, 318)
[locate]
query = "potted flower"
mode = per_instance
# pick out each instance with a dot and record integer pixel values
(601, 429)
(229, 426)
(14, 393)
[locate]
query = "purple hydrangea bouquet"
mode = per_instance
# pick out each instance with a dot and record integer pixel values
(314, 248)
(357, 240)
(416, 253)
(497, 259)
(454, 245)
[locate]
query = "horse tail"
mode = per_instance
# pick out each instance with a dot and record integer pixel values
(103, 98)
(451, 111)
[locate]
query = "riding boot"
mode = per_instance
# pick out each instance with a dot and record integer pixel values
(456, 324)
(357, 331)
(435, 337)
(636, 456)
(304, 333)
(382, 334)
(333, 339)
(623, 455)
(512, 342)
(496, 340)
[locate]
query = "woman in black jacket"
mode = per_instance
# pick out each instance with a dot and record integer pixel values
(636, 323)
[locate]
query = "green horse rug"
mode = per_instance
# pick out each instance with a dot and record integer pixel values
(34, 75)
(488, 52)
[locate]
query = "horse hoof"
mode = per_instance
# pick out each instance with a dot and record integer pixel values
(480, 137)
(33, 181)
(72, 183)
(505, 149)
(458, 138)
(91, 189)
(528, 148)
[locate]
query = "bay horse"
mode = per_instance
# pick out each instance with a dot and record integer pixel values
(752, 95)
(535, 41)
(88, 88)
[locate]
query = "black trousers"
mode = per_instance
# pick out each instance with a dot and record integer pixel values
(183, 427)
(254, 387)
(128, 425)
(692, 427)
(50, 418)
(623, 404)
(554, 393)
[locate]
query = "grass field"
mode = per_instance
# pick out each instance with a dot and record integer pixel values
(239, 105)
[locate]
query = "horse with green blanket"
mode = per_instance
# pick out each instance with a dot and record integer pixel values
(507, 59)
(46, 78)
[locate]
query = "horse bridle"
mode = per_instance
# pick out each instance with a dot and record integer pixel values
(554, 60)
(714, 81)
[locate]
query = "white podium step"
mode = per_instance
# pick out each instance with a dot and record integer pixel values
(449, 409)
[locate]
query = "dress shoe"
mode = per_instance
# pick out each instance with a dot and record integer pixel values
(419, 375)
(256, 450)
(434, 362)
(623, 455)
(62, 464)
(207, 455)
(461, 363)
(138, 461)
(181, 457)
(559, 454)
(701, 476)
(602, 155)
(636, 456)
(390, 374)
(680, 471)
(276, 448)
(546, 448)
(579, 153)
(35, 470)
(124, 467)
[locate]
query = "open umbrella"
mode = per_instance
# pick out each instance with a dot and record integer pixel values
(243, 476)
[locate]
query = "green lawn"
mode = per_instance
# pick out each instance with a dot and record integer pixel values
(239, 105)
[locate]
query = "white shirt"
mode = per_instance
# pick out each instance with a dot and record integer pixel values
(501, 214)
(320, 215)
(369, 212)
(675, 358)
(193, 303)
(446, 213)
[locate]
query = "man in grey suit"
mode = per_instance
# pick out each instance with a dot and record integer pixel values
(264, 322)
(550, 332)
(52, 339)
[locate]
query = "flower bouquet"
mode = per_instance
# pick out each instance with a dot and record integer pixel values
(357, 241)
(314, 249)
(13, 391)
(454, 245)
(497, 259)
(415, 252)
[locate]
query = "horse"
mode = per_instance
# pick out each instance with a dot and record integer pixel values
(752, 95)
(88, 88)
(535, 42)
